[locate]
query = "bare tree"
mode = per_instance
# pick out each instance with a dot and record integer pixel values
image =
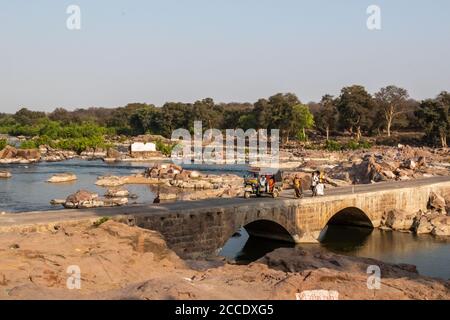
(393, 101)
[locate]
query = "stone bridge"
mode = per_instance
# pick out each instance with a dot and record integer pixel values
(203, 227)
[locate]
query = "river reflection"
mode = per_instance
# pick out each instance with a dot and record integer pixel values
(429, 254)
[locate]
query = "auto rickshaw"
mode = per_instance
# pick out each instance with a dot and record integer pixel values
(260, 184)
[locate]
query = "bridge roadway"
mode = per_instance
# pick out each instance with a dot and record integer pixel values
(209, 223)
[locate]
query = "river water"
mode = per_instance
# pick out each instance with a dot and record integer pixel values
(28, 190)
(429, 254)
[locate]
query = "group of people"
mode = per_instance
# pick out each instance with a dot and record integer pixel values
(265, 183)
(317, 184)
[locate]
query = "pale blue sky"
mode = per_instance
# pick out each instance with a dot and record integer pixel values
(230, 50)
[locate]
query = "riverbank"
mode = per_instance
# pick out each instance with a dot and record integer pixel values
(121, 262)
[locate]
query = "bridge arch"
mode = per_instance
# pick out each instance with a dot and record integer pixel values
(269, 229)
(261, 227)
(350, 216)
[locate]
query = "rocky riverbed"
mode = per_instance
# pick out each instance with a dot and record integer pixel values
(378, 164)
(176, 183)
(121, 262)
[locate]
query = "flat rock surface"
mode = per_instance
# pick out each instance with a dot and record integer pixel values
(122, 262)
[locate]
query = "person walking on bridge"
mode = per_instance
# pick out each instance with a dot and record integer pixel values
(314, 182)
(298, 187)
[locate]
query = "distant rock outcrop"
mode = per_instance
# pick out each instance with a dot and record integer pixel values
(12, 155)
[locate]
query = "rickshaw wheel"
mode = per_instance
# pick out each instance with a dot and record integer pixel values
(247, 194)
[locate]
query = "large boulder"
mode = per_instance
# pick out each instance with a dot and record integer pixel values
(367, 171)
(8, 152)
(409, 164)
(5, 174)
(399, 220)
(163, 171)
(115, 202)
(110, 181)
(117, 193)
(194, 175)
(29, 154)
(441, 226)
(421, 162)
(62, 177)
(389, 174)
(12, 155)
(167, 196)
(341, 175)
(423, 225)
(183, 175)
(437, 202)
(113, 153)
(83, 199)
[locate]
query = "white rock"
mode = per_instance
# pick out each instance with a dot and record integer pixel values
(5, 174)
(62, 177)
(194, 174)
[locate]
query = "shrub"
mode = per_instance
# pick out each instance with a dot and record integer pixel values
(165, 149)
(100, 221)
(3, 143)
(81, 144)
(352, 145)
(28, 144)
(365, 144)
(355, 145)
(332, 145)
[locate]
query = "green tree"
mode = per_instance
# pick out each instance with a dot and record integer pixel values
(356, 108)
(51, 129)
(25, 117)
(302, 119)
(208, 112)
(277, 113)
(61, 115)
(143, 119)
(247, 121)
(326, 118)
(433, 116)
(174, 115)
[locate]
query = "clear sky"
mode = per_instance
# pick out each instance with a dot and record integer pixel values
(229, 50)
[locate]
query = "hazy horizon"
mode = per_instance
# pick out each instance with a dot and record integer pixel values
(234, 51)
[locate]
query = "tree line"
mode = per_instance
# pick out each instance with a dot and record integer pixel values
(354, 112)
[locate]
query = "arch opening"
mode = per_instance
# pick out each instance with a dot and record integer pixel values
(351, 216)
(268, 229)
(346, 230)
(256, 239)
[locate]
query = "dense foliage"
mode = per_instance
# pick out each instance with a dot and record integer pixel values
(354, 112)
